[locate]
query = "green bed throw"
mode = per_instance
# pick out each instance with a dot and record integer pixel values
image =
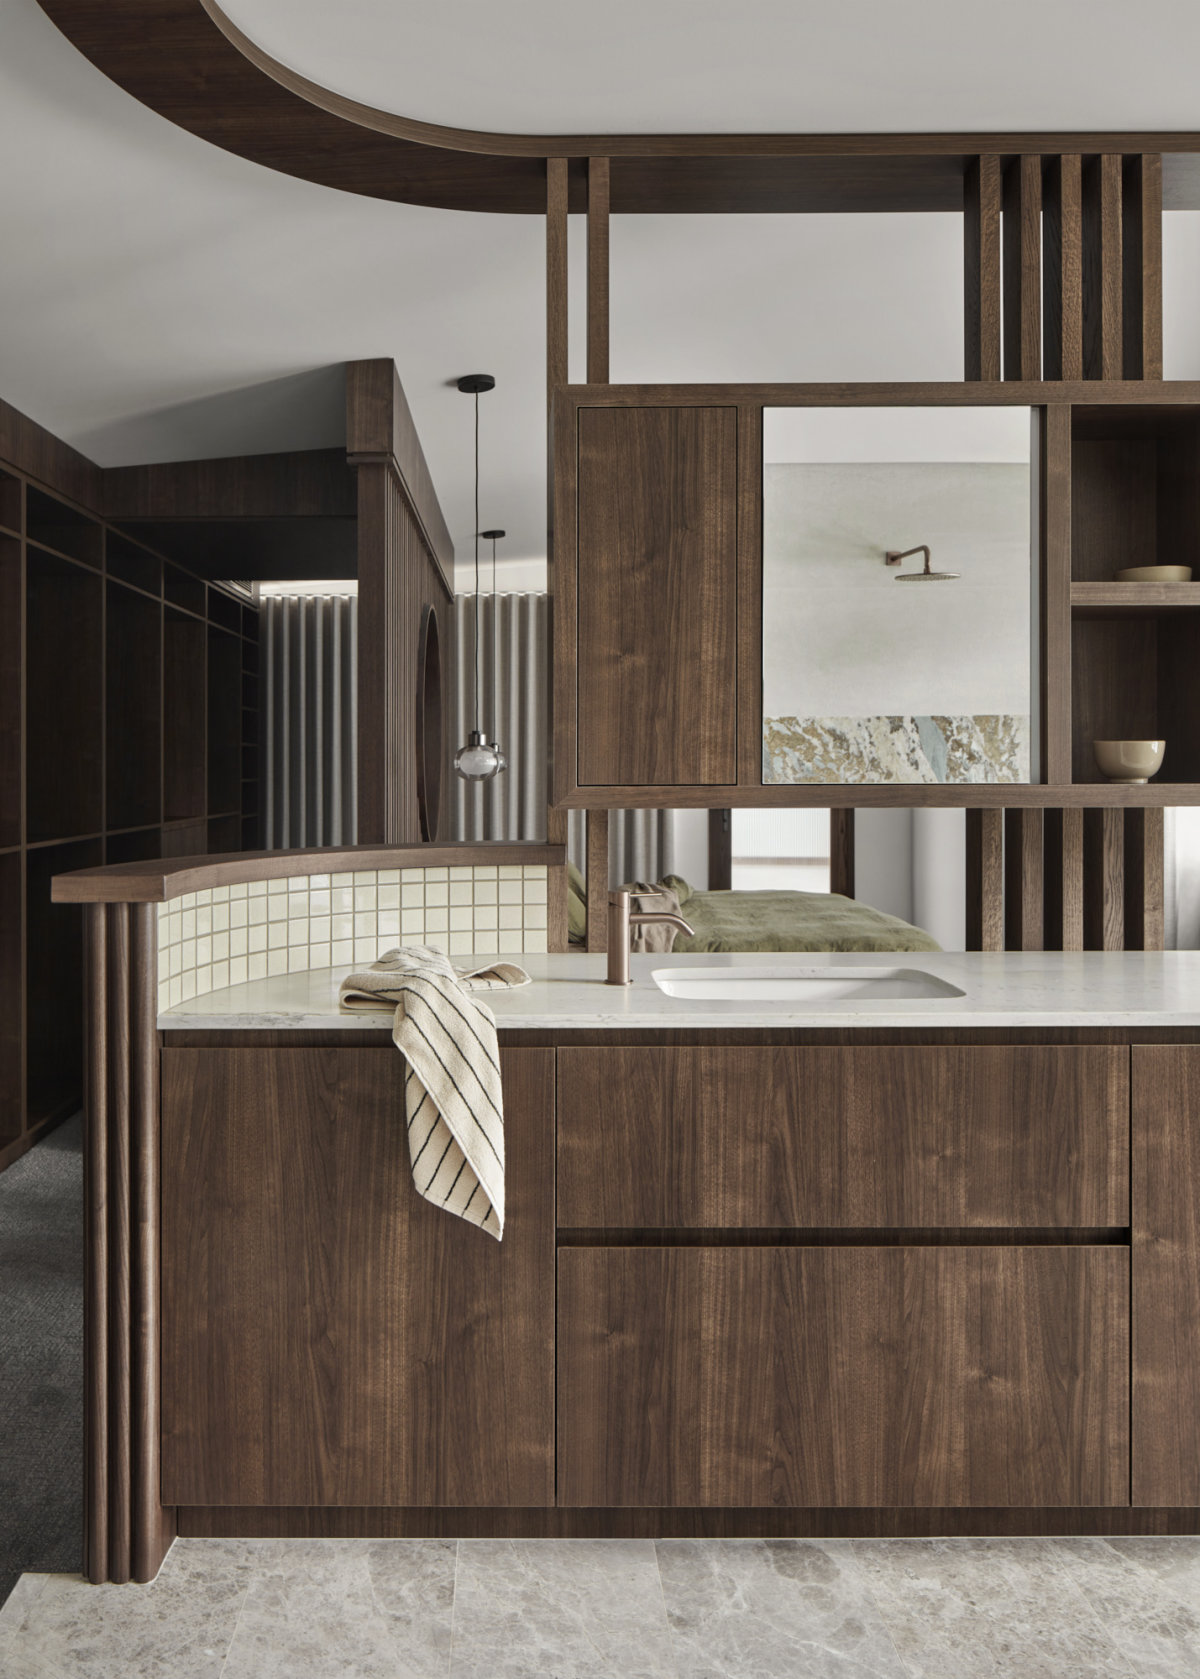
(789, 921)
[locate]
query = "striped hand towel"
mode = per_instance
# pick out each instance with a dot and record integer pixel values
(452, 1096)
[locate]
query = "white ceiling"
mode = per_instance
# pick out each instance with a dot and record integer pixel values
(161, 299)
(764, 66)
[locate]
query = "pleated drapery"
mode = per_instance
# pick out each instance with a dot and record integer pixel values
(309, 676)
(514, 709)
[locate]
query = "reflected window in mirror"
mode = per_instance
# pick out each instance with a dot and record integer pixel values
(896, 584)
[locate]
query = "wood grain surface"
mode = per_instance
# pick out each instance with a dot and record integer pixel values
(801, 1137)
(843, 1376)
(329, 1337)
(657, 591)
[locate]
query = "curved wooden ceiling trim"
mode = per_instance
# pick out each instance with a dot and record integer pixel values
(189, 62)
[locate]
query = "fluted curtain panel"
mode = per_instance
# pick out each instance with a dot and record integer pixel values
(309, 677)
(514, 691)
(514, 696)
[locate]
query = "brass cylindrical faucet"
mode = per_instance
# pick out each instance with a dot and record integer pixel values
(620, 920)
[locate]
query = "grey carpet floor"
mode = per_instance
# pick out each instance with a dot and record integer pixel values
(41, 1359)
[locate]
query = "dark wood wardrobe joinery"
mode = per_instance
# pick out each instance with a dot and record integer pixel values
(123, 681)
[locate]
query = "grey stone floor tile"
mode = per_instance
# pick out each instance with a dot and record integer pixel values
(1154, 1619)
(328, 1609)
(177, 1627)
(560, 1609)
(773, 1609)
(1174, 1560)
(987, 1609)
(21, 1599)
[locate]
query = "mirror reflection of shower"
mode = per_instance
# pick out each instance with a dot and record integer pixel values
(862, 683)
(892, 557)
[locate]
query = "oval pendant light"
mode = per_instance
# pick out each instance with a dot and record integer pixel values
(480, 759)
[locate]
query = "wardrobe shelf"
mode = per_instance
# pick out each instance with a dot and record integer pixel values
(1118, 600)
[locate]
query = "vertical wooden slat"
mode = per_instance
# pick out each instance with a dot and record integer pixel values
(1062, 270)
(96, 1365)
(1104, 879)
(720, 850)
(152, 1526)
(1141, 210)
(1144, 883)
(985, 880)
(556, 276)
(557, 375)
(1022, 255)
(1052, 581)
(1023, 880)
(1063, 874)
(981, 268)
(749, 596)
(1102, 268)
(597, 271)
(557, 930)
(119, 1250)
(597, 879)
(841, 852)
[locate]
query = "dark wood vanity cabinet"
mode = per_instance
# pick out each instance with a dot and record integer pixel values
(329, 1337)
(870, 1276)
(1166, 1275)
(935, 1137)
(843, 1376)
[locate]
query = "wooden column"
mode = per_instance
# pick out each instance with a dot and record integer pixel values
(1141, 249)
(597, 879)
(841, 852)
(1051, 585)
(597, 271)
(985, 880)
(127, 1531)
(1144, 885)
(557, 316)
(720, 850)
(1022, 242)
(1062, 268)
(1104, 879)
(981, 258)
(1063, 852)
(1024, 897)
(1103, 266)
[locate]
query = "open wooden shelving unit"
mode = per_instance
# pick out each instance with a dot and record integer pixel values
(124, 736)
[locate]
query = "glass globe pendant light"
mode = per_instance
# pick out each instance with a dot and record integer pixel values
(480, 759)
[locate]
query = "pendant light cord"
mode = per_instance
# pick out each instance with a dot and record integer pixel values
(478, 718)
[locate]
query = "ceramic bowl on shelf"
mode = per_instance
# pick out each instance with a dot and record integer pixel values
(1155, 574)
(1130, 762)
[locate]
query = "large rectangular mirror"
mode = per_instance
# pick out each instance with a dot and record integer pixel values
(896, 595)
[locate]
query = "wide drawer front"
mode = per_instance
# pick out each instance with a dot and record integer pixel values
(853, 1376)
(895, 1138)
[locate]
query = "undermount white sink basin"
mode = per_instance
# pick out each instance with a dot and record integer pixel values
(802, 985)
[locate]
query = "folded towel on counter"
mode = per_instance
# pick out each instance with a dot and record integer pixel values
(454, 1105)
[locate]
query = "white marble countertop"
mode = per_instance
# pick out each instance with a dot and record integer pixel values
(1129, 988)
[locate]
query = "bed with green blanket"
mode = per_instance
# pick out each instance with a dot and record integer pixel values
(773, 921)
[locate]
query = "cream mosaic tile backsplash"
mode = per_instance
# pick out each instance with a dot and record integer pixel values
(208, 940)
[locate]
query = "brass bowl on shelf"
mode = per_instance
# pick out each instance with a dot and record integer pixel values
(1155, 574)
(1129, 762)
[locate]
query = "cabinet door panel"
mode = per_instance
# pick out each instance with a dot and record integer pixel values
(657, 596)
(1166, 1275)
(905, 1137)
(329, 1337)
(848, 1376)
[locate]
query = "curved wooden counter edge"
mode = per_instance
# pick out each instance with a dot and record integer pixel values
(158, 880)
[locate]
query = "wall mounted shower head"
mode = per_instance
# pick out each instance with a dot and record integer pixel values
(893, 556)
